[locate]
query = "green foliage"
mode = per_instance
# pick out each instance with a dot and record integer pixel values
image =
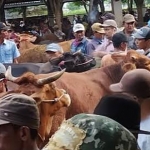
(75, 12)
(74, 5)
(17, 9)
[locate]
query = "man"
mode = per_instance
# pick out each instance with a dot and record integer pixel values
(120, 45)
(142, 40)
(19, 122)
(91, 132)
(120, 107)
(72, 62)
(129, 30)
(80, 42)
(8, 50)
(98, 35)
(110, 27)
(54, 52)
(137, 83)
(59, 33)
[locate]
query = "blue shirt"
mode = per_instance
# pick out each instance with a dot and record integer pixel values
(81, 45)
(92, 45)
(8, 51)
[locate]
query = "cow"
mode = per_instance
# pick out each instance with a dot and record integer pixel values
(85, 89)
(36, 53)
(49, 98)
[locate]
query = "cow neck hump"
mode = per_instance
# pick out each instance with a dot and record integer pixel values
(114, 72)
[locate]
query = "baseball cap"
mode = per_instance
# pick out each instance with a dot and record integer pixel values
(118, 38)
(3, 26)
(128, 18)
(109, 23)
(135, 82)
(108, 16)
(78, 27)
(142, 33)
(91, 132)
(97, 27)
(53, 47)
(19, 109)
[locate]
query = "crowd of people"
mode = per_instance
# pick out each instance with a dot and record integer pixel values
(116, 122)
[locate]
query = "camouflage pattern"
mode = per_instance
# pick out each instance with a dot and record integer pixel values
(101, 133)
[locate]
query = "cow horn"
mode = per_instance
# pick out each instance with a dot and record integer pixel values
(8, 75)
(51, 78)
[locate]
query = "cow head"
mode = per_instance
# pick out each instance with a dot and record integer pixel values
(48, 97)
(132, 60)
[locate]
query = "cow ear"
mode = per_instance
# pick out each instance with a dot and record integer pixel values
(118, 57)
(133, 59)
(128, 66)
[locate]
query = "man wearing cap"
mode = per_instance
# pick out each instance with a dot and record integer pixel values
(120, 107)
(142, 40)
(8, 50)
(80, 42)
(91, 132)
(110, 27)
(19, 122)
(120, 45)
(137, 83)
(98, 35)
(129, 30)
(54, 52)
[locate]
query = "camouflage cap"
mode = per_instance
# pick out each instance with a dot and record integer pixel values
(92, 132)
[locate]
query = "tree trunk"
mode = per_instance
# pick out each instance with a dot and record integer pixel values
(2, 12)
(101, 3)
(1, 3)
(139, 5)
(24, 13)
(140, 13)
(91, 5)
(56, 6)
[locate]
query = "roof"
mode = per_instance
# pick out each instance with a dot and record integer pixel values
(20, 3)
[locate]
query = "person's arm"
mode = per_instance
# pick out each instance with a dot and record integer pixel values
(90, 48)
(100, 51)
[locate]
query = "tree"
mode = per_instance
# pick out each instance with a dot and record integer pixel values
(139, 5)
(2, 13)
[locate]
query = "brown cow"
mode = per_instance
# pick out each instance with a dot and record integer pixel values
(36, 53)
(85, 89)
(48, 97)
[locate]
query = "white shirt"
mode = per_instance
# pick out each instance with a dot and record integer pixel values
(143, 139)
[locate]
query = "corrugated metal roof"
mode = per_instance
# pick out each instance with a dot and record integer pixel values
(20, 3)
(27, 3)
